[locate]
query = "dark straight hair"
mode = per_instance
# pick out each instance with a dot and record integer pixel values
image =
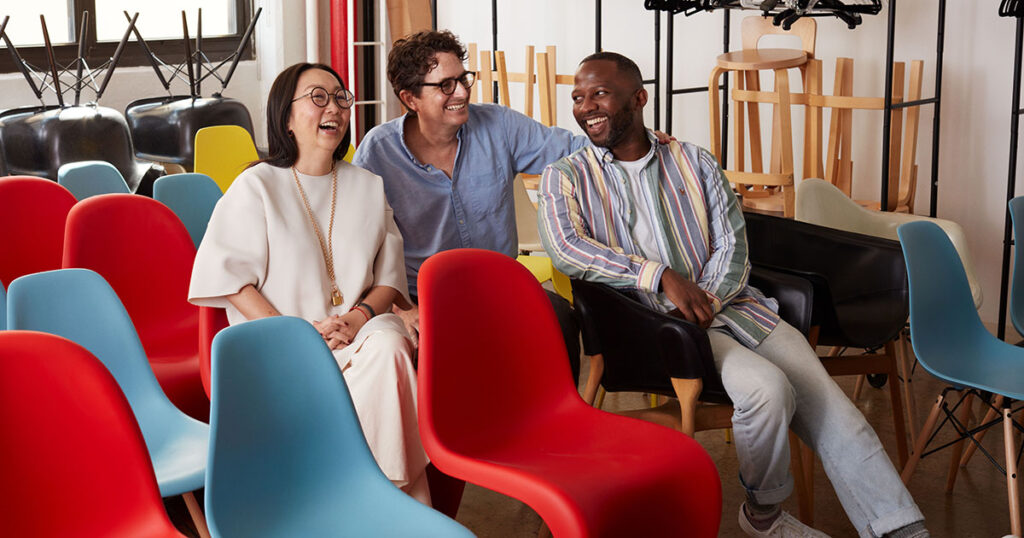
(282, 150)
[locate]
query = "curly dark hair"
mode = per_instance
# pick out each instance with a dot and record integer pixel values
(411, 58)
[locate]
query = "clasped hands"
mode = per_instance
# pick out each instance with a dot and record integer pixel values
(339, 331)
(692, 303)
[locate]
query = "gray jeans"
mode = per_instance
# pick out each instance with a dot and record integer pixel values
(782, 384)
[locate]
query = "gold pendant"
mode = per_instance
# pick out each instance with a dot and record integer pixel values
(336, 298)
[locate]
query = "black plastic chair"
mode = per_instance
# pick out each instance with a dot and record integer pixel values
(860, 294)
(36, 141)
(636, 349)
(164, 128)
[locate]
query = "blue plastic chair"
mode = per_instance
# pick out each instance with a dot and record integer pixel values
(79, 305)
(3, 307)
(91, 178)
(287, 454)
(192, 197)
(1017, 289)
(953, 345)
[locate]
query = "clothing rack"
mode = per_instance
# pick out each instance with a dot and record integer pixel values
(1011, 180)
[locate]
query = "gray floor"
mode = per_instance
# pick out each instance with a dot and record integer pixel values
(977, 507)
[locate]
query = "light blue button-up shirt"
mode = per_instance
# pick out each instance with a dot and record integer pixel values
(473, 209)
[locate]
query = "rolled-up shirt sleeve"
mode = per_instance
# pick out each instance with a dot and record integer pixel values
(567, 238)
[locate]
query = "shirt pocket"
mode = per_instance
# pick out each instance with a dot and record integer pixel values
(485, 192)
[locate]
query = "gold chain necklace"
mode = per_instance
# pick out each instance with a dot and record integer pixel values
(326, 247)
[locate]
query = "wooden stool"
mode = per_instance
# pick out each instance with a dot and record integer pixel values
(774, 190)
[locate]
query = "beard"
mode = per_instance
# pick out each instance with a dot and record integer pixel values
(618, 126)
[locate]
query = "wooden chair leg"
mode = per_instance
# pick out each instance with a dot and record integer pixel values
(958, 448)
(197, 514)
(802, 464)
(600, 398)
(922, 439)
(687, 390)
(896, 400)
(906, 360)
(991, 414)
(858, 387)
(593, 378)
(1012, 491)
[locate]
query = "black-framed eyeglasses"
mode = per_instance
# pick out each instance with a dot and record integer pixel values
(320, 97)
(447, 86)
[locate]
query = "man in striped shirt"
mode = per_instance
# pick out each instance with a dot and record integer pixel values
(662, 220)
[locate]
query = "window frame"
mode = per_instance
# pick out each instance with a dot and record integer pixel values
(169, 50)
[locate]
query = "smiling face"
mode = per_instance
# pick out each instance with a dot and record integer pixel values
(606, 104)
(434, 109)
(317, 129)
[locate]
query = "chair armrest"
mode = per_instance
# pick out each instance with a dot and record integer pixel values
(642, 348)
(794, 293)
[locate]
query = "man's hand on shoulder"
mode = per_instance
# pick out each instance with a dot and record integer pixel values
(693, 304)
(663, 138)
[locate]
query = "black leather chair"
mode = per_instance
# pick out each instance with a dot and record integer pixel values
(860, 294)
(164, 128)
(636, 349)
(36, 141)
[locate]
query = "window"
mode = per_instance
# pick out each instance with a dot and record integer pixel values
(223, 22)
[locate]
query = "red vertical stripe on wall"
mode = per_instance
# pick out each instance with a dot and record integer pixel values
(339, 39)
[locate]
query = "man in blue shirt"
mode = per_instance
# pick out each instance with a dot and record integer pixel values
(448, 165)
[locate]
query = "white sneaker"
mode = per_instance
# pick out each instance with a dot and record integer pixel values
(785, 526)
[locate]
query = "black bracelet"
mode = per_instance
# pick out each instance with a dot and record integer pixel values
(369, 308)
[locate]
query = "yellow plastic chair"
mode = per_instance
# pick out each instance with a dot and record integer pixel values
(223, 152)
(542, 270)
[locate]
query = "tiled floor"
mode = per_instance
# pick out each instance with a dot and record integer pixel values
(977, 507)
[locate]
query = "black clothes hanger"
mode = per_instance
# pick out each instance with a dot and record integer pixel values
(1011, 8)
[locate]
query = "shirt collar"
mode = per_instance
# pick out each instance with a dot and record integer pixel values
(605, 154)
(401, 139)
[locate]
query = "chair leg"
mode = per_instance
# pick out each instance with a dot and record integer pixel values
(802, 464)
(991, 414)
(197, 514)
(896, 399)
(906, 352)
(1012, 491)
(858, 387)
(687, 390)
(593, 379)
(922, 439)
(958, 448)
(600, 398)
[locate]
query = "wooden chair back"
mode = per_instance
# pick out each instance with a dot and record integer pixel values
(752, 29)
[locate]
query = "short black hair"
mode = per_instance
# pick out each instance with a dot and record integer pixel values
(283, 150)
(625, 65)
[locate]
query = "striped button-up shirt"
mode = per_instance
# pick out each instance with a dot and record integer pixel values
(587, 212)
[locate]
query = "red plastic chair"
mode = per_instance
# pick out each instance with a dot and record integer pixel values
(144, 251)
(73, 460)
(211, 321)
(497, 408)
(32, 215)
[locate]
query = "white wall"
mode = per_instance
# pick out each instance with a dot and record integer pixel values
(977, 84)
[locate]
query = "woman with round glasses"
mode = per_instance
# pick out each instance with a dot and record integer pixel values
(304, 233)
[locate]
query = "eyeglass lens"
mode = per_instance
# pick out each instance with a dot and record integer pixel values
(320, 97)
(467, 79)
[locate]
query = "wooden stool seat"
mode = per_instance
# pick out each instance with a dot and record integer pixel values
(758, 59)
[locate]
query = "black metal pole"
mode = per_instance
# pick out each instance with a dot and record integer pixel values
(1011, 181)
(934, 204)
(494, 48)
(669, 68)
(657, 71)
(433, 14)
(597, 25)
(887, 114)
(726, 24)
